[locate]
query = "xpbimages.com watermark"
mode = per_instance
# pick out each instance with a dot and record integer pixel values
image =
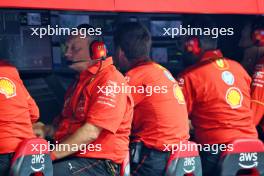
(196, 31)
(116, 89)
(50, 31)
(189, 146)
(83, 148)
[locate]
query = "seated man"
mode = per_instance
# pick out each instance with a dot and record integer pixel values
(257, 87)
(94, 126)
(160, 115)
(257, 97)
(217, 92)
(17, 113)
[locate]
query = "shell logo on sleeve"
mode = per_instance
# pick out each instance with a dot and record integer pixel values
(7, 87)
(178, 94)
(234, 97)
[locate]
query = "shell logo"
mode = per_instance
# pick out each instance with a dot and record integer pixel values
(234, 97)
(7, 87)
(178, 94)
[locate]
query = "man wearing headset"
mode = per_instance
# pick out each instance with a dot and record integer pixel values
(95, 120)
(257, 87)
(217, 92)
(18, 111)
(160, 116)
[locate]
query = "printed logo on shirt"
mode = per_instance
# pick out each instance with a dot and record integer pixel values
(108, 96)
(258, 75)
(81, 104)
(178, 94)
(221, 64)
(169, 76)
(234, 97)
(228, 78)
(181, 82)
(7, 87)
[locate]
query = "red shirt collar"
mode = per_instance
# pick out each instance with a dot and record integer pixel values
(211, 54)
(94, 68)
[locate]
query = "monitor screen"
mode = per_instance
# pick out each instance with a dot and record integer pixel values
(160, 54)
(157, 26)
(17, 45)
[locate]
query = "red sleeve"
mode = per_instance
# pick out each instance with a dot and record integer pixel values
(257, 96)
(33, 108)
(188, 90)
(107, 108)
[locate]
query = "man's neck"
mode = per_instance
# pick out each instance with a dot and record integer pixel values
(138, 61)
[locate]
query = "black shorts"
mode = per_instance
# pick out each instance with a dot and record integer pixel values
(151, 163)
(85, 167)
(260, 133)
(5, 162)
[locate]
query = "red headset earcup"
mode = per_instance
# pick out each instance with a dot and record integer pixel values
(193, 46)
(98, 50)
(257, 37)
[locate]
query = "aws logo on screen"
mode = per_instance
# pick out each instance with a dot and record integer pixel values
(248, 160)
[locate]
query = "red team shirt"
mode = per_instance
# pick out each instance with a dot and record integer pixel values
(217, 91)
(160, 115)
(257, 94)
(17, 109)
(111, 111)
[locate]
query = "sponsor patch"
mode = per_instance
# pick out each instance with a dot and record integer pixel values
(258, 75)
(228, 78)
(178, 94)
(180, 81)
(7, 87)
(221, 64)
(234, 97)
(169, 76)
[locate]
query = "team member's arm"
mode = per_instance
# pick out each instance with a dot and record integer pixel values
(105, 113)
(84, 135)
(187, 89)
(33, 108)
(257, 97)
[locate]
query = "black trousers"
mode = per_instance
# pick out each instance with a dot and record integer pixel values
(260, 133)
(5, 161)
(209, 162)
(152, 163)
(85, 167)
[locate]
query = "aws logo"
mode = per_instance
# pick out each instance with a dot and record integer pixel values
(38, 160)
(189, 165)
(248, 160)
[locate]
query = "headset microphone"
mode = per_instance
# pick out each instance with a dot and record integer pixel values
(257, 37)
(193, 46)
(69, 62)
(98, 50)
